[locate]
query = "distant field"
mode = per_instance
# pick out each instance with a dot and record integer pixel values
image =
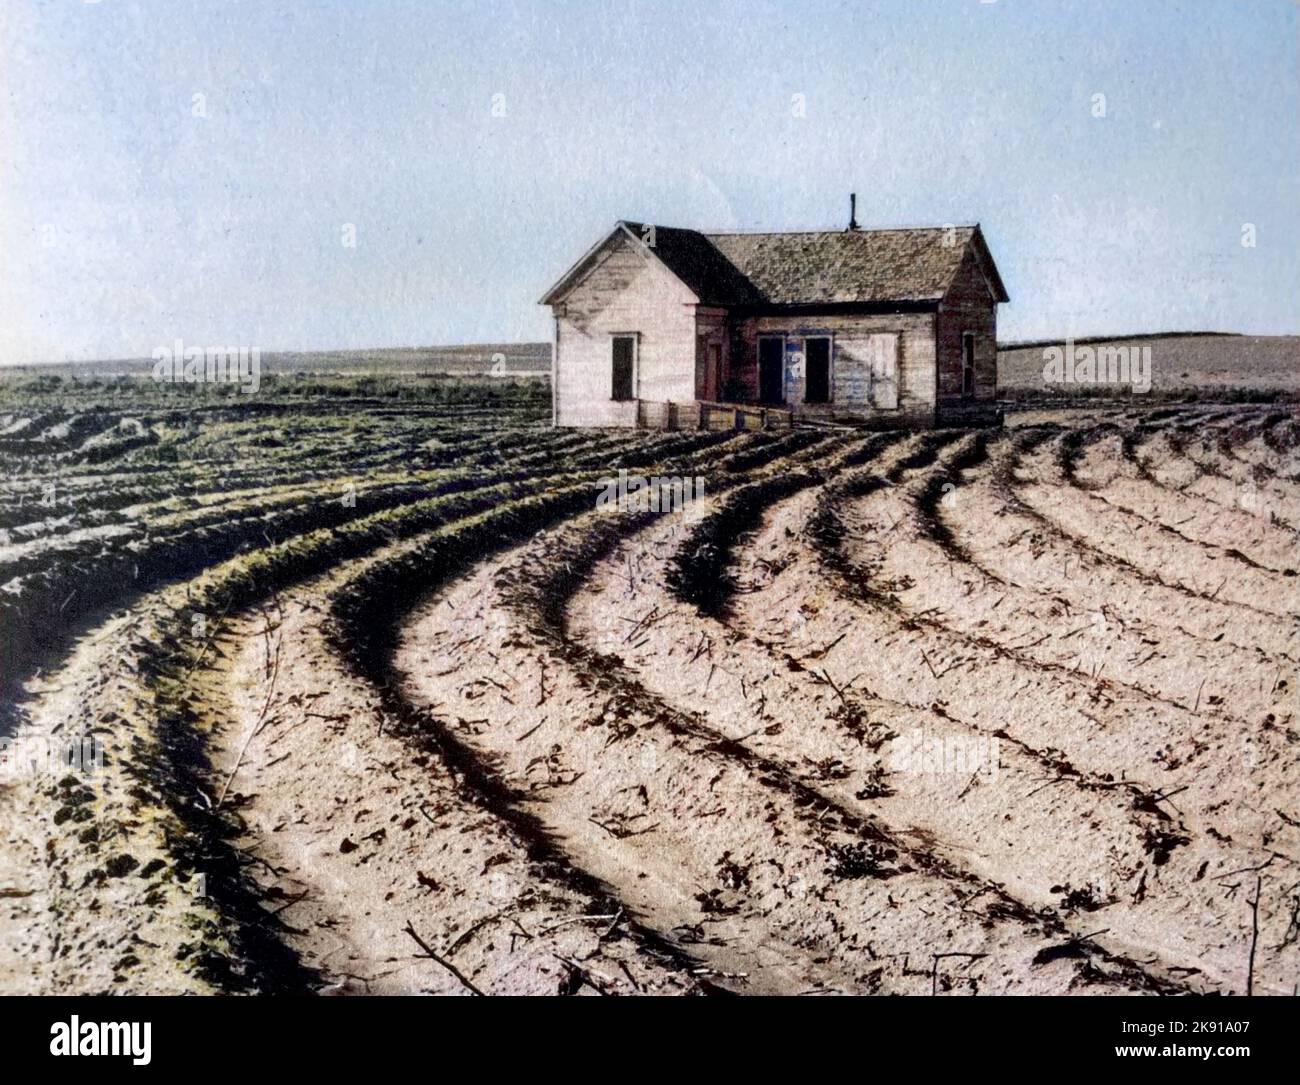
(1184, 366)
(485, 358)
(1202, 366)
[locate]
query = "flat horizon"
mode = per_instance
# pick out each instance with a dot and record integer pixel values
(330, 177)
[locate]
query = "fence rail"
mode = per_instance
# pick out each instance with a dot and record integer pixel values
(702, 414)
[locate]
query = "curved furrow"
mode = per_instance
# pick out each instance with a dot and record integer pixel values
(149, 815)
(904, 535)
(1243, 534)
(730, 887)
(494, 638)
(106, 862)
(56, 594)
(1253, 441)
(1006, 540)
(154, 524)
(367, 611)
(1231, 775)
(60, 510)
(701, 574)
(818, 734)
(1214, 825)
(42, 609)
(756, 689)
(1179, 462)
(1162, 555)
(129, 821)
(1156, 456)
(57, 432)
(1007, 486)
(1122, 825)
(206, 477)
(1133, 662)
(389, 830)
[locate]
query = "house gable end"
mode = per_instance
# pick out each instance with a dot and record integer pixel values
(969, 282)
(621, 237)
(979, 250)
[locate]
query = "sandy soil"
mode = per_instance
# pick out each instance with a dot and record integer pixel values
(979, 714)
(660, 768)
(94, 901)
(362, 833)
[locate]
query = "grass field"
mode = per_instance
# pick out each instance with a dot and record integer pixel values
(386, 702)
(503, 359)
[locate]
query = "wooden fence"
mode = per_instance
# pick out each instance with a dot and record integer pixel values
(700, 414)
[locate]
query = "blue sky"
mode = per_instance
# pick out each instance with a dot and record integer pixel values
(126, 220)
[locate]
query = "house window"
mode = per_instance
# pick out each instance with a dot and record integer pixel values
(624, 367)
(817, 370)
(967, 364)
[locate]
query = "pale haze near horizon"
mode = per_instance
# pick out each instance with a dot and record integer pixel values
(182, 169)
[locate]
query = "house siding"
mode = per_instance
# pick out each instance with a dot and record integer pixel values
(621, 287)
(968, 307)
(850, 364)
(625, 291)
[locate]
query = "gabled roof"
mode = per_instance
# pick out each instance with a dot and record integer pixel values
(829, 267)
(687, 254)
(834, 267)
(696, 260)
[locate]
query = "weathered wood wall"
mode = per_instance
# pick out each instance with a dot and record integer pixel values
(626, 291)
(850, 361)
(710, 330)
(968, 307)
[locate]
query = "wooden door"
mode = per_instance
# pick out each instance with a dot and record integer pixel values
(883, 351)
(771, 369)
(817, 370)
(708, 369)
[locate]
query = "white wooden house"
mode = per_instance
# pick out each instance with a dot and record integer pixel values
(891, 327)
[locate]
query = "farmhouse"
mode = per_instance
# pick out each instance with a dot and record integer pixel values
(662, 326)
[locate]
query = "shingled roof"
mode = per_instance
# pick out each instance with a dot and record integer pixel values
(834, 267)
(830, 267)
(699, 263)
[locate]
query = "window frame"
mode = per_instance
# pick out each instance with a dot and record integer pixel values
(965, 337)
(830, 370)
(636, 366)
